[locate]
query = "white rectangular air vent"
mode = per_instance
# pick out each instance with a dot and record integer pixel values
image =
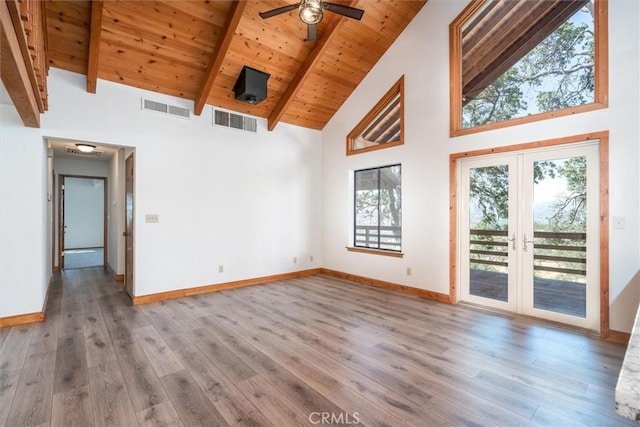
(160, 107)
(235, 121)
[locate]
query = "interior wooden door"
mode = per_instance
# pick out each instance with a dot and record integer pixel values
(129, 226)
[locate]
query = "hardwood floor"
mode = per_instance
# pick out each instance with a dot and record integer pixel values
(310, 351)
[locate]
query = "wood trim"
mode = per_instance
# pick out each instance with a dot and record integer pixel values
(409, 290)
(601, 92)
(453, 228)
(119, 278)
(21, 319)
(94, 45)
(233, 19)
(455, 65)
(618, 337)
(180, 293)
(603, 138)
(375, 252)
(14, 72)
(305, 70)
(601, 53)
(397, 88)
(604, 235)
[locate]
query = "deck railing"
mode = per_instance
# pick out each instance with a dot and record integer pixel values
(389, 238)
(557, 252)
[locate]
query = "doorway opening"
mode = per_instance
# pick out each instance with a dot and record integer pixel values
(530, 230)
(83, 221)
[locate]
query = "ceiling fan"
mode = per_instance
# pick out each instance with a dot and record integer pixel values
(310, 12)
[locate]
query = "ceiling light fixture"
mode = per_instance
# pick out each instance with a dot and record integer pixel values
(86, 148)
(310, 11)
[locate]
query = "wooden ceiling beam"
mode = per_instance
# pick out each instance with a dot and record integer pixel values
(14, 73)
(227, 32)
(95, 30)
(305, 70)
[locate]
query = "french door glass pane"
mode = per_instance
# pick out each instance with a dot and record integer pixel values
(488, 224)
(560, 232)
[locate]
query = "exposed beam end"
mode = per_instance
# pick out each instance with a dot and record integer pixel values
(14, 74)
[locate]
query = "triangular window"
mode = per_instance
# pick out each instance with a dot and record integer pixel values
(384, 125)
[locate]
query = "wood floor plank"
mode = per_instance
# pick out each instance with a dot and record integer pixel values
(45, 335)
(71, 364)
(145, 389)
(192, 404)
(98, 345)
(72, 408)
(161, 357)
(109, 396)
(35, 391)
(273, 404)
(228, 361)
(13, 355)
(162, 415)
(228, 400)
(8, 385)
(294, 389)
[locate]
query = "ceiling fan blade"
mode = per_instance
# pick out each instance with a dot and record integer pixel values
(278, 11)
(312, 32)
(348, 11)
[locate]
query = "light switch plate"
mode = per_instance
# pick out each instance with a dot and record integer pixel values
(153, 218)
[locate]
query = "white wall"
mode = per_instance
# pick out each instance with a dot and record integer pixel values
(423, 51)
(249, 202)
(84, 213)
(25, 251)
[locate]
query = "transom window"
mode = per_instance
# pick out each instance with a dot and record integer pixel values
(520, 61)
(383, 126)
(378, 208)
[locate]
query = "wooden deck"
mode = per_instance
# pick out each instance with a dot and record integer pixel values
(286, 353)
(553, 295)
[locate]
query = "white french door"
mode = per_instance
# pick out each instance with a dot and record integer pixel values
(529, 233)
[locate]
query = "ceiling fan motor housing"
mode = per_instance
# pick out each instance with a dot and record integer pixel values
(251, 85)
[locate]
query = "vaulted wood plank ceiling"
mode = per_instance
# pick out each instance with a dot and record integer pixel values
(196, 50)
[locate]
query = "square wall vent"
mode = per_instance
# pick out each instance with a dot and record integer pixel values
(160, 107)
(235, 121)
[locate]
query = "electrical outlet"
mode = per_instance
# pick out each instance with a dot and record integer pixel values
(295, 260)
(311, 258)
(408, 271)
(221, 269)
(618, 223)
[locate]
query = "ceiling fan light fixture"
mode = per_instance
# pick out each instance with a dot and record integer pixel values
(310, 11)
(86, 148)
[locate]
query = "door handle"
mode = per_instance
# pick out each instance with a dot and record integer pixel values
(125, 234)
(513, 241)
(525, 241)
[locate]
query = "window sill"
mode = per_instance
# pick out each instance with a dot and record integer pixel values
(375, 252)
